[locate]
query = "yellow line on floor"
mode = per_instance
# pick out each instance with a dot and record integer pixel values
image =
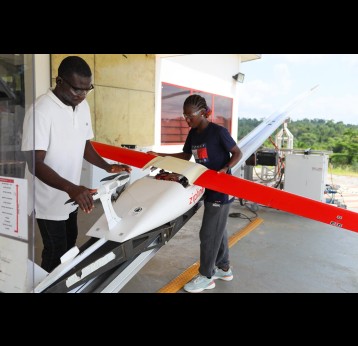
(176, 284)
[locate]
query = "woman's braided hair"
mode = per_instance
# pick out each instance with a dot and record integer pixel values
(199, 102)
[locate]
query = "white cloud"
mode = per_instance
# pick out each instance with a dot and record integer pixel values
(264, 95)
(350, 59)
(302, 58)
(338, 108)
(280, 78)
(256, 95)
(283, 79)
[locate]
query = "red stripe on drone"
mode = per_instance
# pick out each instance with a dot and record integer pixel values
(127, 156)
(279, 199)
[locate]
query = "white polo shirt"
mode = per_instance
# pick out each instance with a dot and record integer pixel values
(62, 132)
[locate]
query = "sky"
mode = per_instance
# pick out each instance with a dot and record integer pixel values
(276, 79)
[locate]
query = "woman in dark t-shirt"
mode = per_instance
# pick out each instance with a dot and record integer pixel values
(213, 147)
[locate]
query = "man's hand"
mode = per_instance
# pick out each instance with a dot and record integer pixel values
(82, 196)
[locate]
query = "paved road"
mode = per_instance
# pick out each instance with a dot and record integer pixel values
(347, 190)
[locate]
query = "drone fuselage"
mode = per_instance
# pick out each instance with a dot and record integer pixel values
(145, 205)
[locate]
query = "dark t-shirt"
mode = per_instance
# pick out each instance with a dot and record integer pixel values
(211, 148)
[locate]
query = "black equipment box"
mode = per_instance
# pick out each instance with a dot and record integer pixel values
(267, 157)
(251, 161)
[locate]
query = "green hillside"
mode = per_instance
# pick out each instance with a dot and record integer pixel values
(317, 134)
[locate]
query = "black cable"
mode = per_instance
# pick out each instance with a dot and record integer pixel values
(243, 216)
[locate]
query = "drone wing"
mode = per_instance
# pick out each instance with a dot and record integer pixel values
(127, 156)
(279, 199)
(238, 187)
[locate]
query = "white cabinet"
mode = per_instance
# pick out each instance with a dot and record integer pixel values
(305, 175)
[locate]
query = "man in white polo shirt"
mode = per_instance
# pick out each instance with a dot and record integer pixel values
(58, 129)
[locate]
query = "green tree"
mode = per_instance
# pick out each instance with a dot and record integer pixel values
(317, 134)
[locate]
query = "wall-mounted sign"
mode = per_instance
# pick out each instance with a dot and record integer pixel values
(13, 207)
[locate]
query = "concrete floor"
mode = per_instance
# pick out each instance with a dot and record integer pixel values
(285, 253)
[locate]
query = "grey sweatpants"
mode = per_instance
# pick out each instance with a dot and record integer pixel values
(214, 249)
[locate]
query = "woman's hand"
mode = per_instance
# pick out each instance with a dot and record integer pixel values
(115, 168)
(152, 153)
(224, 169)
